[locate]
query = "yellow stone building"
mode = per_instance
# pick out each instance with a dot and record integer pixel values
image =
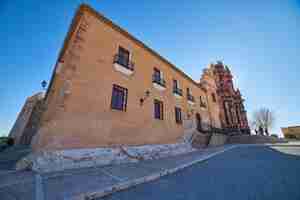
(292, 132)
(108, 88)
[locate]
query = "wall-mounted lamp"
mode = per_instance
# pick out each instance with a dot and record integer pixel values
(147, 94)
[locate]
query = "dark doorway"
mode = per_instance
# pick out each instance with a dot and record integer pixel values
(198, 122)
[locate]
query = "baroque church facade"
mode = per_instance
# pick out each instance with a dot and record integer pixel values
(233, 115)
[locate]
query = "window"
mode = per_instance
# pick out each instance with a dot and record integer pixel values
(176, 88)
(175, 84)
(158, 77)
(158, 109)
(119, 98)
(187, 91)
(178, 118)
(156, 73)
(123, 56)
(189, 96)
(202, 102)
(122, 62)
(213, 97)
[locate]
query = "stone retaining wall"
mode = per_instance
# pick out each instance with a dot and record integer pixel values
(218, 139)
(200, 140)
(77, 158)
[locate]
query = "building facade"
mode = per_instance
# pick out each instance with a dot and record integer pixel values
(108, 88)
(233, 115)
(291, 132)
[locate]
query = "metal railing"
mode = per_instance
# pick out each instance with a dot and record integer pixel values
(125, 62)
(202, 104)
(158, 80)
(190, 98)
(177, 91)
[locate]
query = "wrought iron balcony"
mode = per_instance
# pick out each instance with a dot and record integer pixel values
(202, 105)
(177, 91)
(124, 62)
(190, 98)
(158, 80)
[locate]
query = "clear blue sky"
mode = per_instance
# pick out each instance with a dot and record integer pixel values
(259, 40)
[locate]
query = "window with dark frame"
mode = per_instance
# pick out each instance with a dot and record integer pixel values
(202, 102)
(123, 56)
(189, 96)
(178, 118)
(188, 91)
(175, 84)
(176, 88)
(213, 97)
(156, 75)
(158, 109)
(119, 98)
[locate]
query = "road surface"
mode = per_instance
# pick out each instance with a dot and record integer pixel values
(252, 173)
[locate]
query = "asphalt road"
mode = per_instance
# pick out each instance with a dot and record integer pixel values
(256, 173)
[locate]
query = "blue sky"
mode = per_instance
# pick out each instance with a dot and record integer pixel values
(259, 40)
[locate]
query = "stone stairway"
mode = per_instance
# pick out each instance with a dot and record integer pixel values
(254, 139)
(193, 136)
(10, 156)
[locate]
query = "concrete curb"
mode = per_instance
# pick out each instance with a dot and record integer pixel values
(127, 184)
(285, 145)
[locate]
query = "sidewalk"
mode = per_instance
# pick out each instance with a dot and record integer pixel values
(88, 183)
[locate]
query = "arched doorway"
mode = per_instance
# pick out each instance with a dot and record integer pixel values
(198, 122)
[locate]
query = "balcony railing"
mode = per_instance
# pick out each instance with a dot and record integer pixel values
(190, 98)
(177, 91)
(158, 80)
(123, 61)
(202, 105)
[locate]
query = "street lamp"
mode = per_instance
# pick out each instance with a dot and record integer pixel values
(44, 84)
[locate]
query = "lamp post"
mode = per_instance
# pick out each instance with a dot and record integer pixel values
(44, 84)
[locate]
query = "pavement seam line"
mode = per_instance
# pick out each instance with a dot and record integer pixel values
(14, 183)
(5, 172)
(129, 183)
(112, 176)
(39, 193)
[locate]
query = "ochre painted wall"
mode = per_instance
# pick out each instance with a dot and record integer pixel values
(78, 113)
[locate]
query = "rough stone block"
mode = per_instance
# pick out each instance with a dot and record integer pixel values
(47, 161)
(217, 139)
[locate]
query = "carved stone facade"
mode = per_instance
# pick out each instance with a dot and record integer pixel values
(233, 115)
